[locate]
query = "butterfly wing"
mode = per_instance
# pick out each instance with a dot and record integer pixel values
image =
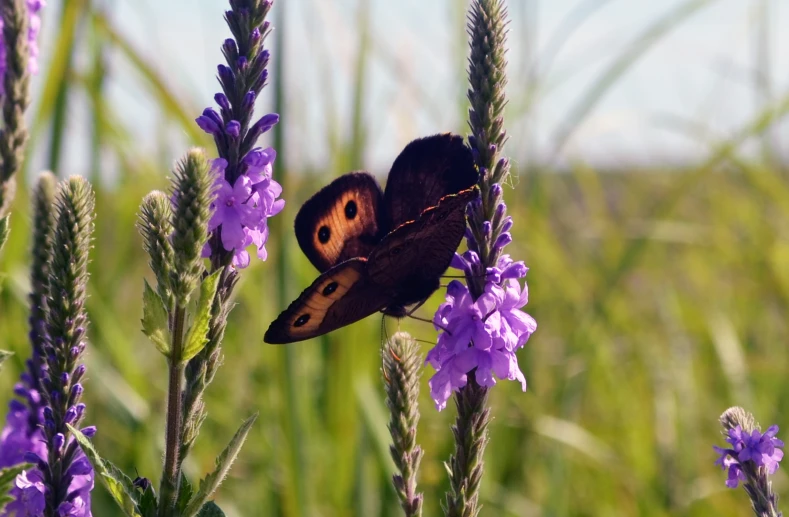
(338, 297)
(425, 171)
(418, 252)
(343, 220)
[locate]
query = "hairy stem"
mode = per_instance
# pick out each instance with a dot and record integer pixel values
(172, 466)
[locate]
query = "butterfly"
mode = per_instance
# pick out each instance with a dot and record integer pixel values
(380, 250)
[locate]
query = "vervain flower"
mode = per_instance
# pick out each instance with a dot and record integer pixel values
(752, 456)
(247, 195)
(761, 450)
(51, 389)
(242, 209)
(493, 324)
(481, 325)
(69, 478)
(19, 437)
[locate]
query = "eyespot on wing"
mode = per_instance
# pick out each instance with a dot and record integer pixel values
(341, 221)
(338, 297)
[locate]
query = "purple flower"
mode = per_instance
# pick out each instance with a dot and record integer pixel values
(77, 503)
(480, 334)
(34, 27)
(29, 495)
(18, 437)
(22, 440)
(247, 194)
(242, 209)
(754, 449)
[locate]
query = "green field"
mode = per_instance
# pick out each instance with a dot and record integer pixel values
(661, 295)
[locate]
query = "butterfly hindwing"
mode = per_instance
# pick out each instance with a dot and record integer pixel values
(424, 172)
(338, 297)
(343, 220)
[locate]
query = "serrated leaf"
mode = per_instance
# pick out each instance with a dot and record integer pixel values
(7, 477)
(9, 474)
(210, 509)
(4, 229)
(118, 484)
(4, 500)
(154, 320)
(185, 493)
(197, 337)
(224, 461)
(3, 356)
(148, 505)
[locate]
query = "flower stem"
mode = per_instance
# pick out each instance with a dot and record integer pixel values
(171, 473)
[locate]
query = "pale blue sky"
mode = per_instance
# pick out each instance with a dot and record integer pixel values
(702, 73)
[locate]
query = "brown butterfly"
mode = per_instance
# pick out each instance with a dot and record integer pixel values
(380, 251)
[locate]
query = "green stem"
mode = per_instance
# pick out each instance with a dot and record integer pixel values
(171, 473)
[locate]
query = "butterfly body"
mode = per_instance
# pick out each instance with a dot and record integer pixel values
(380, 251)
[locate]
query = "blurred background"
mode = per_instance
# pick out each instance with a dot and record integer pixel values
(651, 201)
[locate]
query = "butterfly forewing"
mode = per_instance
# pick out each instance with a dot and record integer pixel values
(338, 297)
(425, 171)
(422, 249)
(342, 221)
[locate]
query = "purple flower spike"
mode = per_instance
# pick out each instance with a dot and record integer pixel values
(247, 195)
(751, 455)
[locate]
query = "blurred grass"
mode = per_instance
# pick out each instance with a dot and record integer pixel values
(661, 296)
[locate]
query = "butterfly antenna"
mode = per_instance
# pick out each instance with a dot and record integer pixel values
(426, 341)
(417, 318)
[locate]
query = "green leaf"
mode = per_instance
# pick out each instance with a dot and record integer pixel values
(7, 477)
(154, 320)
(198, 332)
(223, 462)
(185, 493)
(3, 356)
(118, 484)
(9, 474)
(4, 229)
(210, 509)
(148, 505)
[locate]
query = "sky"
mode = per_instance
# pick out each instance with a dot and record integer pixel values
(699, 83)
